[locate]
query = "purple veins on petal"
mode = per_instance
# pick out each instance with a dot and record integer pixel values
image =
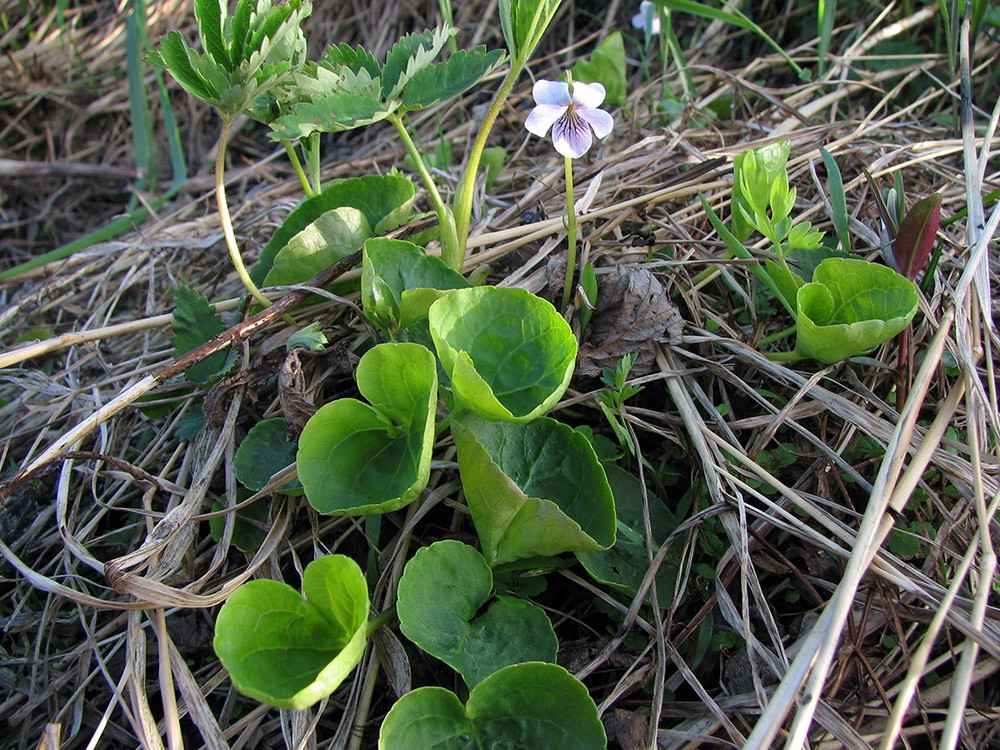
(574, 117)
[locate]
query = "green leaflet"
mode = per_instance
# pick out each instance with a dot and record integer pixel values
(533, 489)
(509, 354)
(850, 307)
(443, 586)
(290, 652)
(530, 706)
(356, 458)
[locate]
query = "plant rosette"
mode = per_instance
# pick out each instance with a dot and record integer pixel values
(850, 307)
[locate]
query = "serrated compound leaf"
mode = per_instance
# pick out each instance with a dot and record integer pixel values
(850, 307)
(333, 113)
(441, 81)
(624, 565)
(443, 586)
(357, 458)
(354, 59)
(392, 268)
(529, 706)
(264, 452)
(508, 353)
(412, 53)
(334, 235)
(194, 323)
(291, 652)
(606, 65)
(533, 489)
(385, 200)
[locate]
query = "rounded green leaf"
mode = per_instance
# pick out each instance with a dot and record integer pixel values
(385, 200)
(290, 652)
(265, 451)
(508, 353)
(334, 235)
(533, 489)
(625, 564)
(430, 718)
(529, 706)
(851, 306)
(400, 268)
(442, 588)
(358, 458)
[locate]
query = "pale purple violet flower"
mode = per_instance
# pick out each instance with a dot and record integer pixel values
(571, 117)
(647, 15)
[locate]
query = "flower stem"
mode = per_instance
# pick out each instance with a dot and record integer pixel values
(570, 238)
(466, 186)
(450, 251)
(227, 222)
(297, 166)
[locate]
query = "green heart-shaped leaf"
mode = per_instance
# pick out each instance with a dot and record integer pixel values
(334, 235)
(529, 706)
(850, 307)
(402, 269)
(262, 453)
(290, 652)
(625, 564)
(533, 489)
(442, 588)
(385, 201)
(359, 458)
(508, 353)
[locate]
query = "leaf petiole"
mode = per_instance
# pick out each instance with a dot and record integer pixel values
(227, 222)
(297, 166)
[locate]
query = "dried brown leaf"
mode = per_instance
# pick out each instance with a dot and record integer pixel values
(633, 313)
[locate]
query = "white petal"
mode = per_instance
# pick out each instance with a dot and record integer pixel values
(588, 95)
(571, 136)
(551, 92)
(540, 119)
(599, 120)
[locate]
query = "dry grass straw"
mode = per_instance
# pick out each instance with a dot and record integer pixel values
(110, 576)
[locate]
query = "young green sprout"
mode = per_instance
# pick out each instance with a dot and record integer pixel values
(572, 111)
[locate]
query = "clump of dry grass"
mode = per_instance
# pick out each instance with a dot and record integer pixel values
(792, 476)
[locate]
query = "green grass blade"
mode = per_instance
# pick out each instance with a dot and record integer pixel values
(838, 200)
(142, 128)
(734, 17)
(827, 10)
